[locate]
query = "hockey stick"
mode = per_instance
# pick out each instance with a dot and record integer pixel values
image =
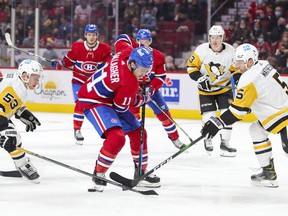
(170, 118)
(13, 173)
(132, 183)
(142, 131)
(9, 42)
(220, 86)
(124, 187)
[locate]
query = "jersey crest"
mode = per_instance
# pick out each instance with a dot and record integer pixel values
(215, 70)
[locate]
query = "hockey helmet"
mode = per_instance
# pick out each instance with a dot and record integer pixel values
(30, 67)
(245, 52)
(144, 34)
(216, 30)
(91, 28)
(142, 56)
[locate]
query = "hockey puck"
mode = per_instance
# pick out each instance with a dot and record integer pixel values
(91, 190)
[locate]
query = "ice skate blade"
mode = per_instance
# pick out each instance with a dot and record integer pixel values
(95, 190)
(145, 184)
(266, 183)
(227, 154)
(79, 142)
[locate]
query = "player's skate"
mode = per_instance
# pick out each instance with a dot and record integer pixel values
(151, 181)
(178, 144)
(98, 184)
(78, 136)
(226, 150)
(208, 146)
(267, 178)
(29, 171)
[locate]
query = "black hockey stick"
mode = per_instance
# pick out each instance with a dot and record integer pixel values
(124, 187)
(9, 42)
(170, 118)
(220, 86)
(140, 159)
(132, 183)
(13, 173)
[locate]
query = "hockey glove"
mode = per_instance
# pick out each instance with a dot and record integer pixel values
(8, 139)
(203, 83)
(57, 64)
(141, 100)
(27, 118)
(150, 91)
(211, 128)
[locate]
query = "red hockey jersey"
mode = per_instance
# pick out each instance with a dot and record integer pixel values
(113, 85)
(85, 60)
(156, 77)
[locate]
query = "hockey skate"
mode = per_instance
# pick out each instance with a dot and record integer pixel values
(267, 178)
(151, 181)
(29, 171)
(178, 144)
(78, 136)
(226, 150)
(208, 146)
(98, 184)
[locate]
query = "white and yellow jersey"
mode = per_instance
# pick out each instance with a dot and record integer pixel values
(262, 90)
(217, 65)
(13, 94)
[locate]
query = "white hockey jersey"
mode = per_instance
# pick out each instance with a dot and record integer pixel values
(217, 65)
(13, 94)
(262, 90)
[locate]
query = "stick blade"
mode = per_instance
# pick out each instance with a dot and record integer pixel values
(149, 192)
(121, 179)
(14, 173)
(8, 39)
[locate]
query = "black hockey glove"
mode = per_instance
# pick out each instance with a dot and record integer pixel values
(203, 83)
(27, 118)
(8, 139)
(211, 128)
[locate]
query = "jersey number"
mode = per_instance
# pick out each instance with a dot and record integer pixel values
(276, 76)
(240, 94)
(127, 101)
(9, 98)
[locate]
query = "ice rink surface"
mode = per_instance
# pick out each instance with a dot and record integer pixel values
(192, 184)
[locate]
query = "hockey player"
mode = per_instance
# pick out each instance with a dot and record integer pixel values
(211, 64)
(154, 80)
(106, 97)
(13, 94)
(270, 107)
(85, 57)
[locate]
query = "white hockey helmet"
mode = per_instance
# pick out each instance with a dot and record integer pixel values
(245, 52)
(216, 30)
(30, 67)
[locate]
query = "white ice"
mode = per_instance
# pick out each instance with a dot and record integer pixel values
(192, 184)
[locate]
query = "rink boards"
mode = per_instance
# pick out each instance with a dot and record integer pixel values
(54, 94)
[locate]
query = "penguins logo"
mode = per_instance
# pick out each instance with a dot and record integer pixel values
(215, 70)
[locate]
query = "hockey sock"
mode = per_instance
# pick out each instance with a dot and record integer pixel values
(168, 125)
(134, 137)
(115, 140)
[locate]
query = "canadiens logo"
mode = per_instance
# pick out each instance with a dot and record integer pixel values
(89, 66)
(113, 120)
